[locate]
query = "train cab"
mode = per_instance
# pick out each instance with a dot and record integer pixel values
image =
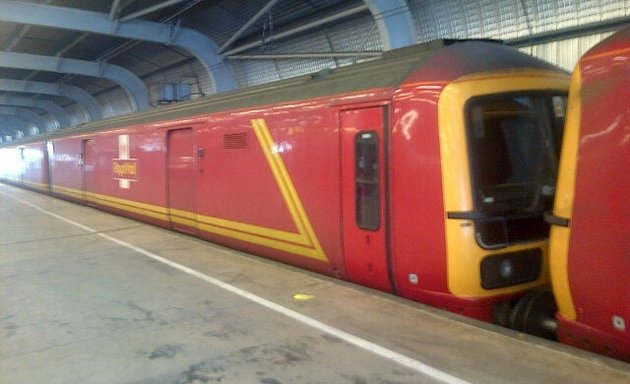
(475, 187)
(590, 242)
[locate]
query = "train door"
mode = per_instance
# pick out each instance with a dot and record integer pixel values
(22, 168)
(363, 190)
(181, 180)
(50, 159)
(88, 177)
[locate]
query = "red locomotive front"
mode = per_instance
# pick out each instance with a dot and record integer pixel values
(475, 148)
(590, 246)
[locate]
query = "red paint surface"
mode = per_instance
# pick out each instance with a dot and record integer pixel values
(581, 335)
(181, 174)
(88, 166)
(416, 196)
(67, 162)
(364, 249)
(599, 247)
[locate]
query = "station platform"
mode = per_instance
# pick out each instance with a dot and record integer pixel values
(89, 297)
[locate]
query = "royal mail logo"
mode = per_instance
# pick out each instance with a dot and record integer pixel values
(124, 168)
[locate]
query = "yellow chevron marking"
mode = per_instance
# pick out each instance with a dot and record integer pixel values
(304, 242)
(306, 235)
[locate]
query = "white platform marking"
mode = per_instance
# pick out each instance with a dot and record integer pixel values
(388, 354)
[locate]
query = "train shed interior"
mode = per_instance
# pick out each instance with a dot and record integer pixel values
(88, 296)
(66, 63)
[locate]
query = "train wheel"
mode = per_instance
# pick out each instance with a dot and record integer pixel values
(534, 314)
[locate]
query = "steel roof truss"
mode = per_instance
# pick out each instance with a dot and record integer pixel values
(132, 84)
(198, 44)
(53, 109)
(78, 95)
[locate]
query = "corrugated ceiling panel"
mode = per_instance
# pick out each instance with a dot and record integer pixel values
(359, 34)
(254, 72)
(565, 53)
(508, 19)
(114, 103)
(513, 19)
(76, 114)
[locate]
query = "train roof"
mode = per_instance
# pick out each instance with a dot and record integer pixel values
(616, 43)
(387, 72)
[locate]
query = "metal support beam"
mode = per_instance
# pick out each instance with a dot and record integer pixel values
(18, 34)
(56, 111)
(198, 44)
(148, 10)
(394, 22)
(113, 12)
(27, 114)
(248, 24)
(15, 38)
(135, 87)
(303, 28)
(306, 55)
(11, 124)
(78, 95)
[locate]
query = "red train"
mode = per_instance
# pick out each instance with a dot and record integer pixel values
(590, 238)
(424, 174)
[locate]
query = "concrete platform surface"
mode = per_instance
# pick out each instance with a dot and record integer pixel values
(88, 297)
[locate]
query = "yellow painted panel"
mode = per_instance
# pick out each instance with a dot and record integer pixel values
(36, 185)
(563, 205)
(464, 255)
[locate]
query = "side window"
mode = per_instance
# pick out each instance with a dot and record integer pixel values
(367, 180)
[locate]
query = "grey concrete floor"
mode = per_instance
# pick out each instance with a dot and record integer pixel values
(92, 304)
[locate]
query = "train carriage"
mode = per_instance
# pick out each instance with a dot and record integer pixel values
(27, 165)
(424, 174)
(590, 238)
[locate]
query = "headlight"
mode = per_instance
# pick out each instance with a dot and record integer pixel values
(506, 269)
